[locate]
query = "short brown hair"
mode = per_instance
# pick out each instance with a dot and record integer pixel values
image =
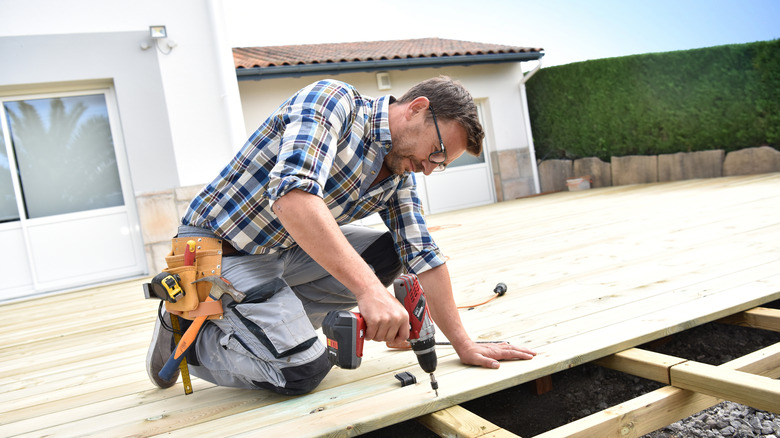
(451, 102)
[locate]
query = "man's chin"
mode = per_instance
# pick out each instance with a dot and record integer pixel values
(397, 170)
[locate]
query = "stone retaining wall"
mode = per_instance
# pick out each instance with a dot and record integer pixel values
(636, 169)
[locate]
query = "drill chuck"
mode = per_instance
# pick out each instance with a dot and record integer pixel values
(425, 349)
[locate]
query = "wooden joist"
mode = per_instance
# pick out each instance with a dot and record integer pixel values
(664, 406)
(642, 363)
(758, 392)
(760, 318)
(457, 421)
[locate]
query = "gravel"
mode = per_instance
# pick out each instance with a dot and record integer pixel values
(588, 388)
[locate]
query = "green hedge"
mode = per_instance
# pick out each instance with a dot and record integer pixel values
(725, 97)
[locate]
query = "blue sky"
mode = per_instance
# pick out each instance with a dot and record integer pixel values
(568, 30)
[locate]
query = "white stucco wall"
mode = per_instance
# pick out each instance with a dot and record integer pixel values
(74, 62)
(201, 106)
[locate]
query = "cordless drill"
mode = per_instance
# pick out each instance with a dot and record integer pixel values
(345, 331)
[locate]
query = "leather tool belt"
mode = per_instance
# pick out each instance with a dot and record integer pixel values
(208, 262)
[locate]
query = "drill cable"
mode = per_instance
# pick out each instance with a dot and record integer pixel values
(471, 306)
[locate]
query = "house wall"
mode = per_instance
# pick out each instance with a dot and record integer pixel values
(180, 112)
(179, 108)
(59, 63)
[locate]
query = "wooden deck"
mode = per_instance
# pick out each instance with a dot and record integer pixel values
(589, 274)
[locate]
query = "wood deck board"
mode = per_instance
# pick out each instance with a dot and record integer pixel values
(589, 274)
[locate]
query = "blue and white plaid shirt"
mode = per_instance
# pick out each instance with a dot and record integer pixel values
(327, 140)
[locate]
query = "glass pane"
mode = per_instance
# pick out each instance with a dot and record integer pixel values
(65, 154)
(466, 159)
(8, 211)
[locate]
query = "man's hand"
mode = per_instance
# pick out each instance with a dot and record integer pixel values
(386, 319)
(488, 355)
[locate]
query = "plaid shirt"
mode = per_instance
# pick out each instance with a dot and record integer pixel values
(326, 140)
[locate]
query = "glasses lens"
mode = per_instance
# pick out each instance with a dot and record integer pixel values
(438, 157)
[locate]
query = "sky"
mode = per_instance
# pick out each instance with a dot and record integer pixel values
(568, 30)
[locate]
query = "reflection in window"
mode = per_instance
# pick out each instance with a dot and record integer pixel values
(65, 154)
(8, 210)
(467, 159)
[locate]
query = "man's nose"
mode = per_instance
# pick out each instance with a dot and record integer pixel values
(428, 167)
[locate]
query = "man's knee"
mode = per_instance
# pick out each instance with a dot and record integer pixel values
(383, 258)
(303, 378)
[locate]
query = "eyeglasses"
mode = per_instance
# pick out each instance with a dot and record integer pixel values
(438, 157)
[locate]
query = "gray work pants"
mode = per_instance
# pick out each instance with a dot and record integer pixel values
(268, 341)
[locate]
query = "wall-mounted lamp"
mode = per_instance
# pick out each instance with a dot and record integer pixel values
(158, 33)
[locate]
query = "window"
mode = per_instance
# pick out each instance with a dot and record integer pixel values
(64, 157)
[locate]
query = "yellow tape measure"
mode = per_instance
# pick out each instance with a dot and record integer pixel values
(185, 371)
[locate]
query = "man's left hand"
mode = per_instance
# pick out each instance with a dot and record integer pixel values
(488, 355)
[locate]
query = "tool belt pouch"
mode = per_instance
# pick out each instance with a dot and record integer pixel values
(208, 261)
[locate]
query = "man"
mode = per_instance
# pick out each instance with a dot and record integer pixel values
(324, 158)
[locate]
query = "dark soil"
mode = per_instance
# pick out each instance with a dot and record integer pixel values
(588, 388)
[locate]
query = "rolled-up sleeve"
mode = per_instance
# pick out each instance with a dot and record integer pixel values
(404, 218)
(312, 122)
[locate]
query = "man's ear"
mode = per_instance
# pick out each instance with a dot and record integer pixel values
(417, 106)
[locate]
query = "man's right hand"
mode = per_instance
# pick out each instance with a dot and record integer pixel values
(386, 319)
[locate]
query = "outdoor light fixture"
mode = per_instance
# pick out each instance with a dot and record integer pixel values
(157, 32)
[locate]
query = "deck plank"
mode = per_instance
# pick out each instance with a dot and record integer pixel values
(589, 274)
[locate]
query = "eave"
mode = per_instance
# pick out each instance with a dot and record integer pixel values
(282, 71)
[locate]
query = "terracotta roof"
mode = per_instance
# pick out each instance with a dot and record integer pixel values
(275, 56)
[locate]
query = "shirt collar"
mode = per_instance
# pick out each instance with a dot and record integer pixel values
(381, 121)
(380, 131)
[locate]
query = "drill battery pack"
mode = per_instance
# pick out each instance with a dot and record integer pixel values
(345, 333)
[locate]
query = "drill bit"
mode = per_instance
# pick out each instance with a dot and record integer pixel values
(434, 385)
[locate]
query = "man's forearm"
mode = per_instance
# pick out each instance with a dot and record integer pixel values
(309, 222)
(437, 286)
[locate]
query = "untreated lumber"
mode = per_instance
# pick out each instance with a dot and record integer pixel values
(457, 421)
(759, 317)
(664, 406)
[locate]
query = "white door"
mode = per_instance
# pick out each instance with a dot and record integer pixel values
(467, 182)
(67, 211)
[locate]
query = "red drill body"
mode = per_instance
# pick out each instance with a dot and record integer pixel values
(409, 292)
